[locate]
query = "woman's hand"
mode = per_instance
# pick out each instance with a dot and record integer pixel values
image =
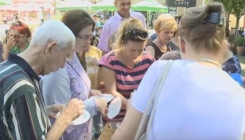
(53, 110)
(72, 110)
(9, 44)
(101, 105)
(95, 93)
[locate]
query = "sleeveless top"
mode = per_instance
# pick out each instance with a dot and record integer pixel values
(158, 52)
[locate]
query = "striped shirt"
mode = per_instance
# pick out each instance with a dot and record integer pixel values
(127, 80)
(23, 112)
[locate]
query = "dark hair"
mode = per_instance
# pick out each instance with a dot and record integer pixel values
(76, 20)
(21, 27)
(178, 18)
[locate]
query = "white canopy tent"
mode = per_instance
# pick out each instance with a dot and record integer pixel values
(104, 5)
(74, 4)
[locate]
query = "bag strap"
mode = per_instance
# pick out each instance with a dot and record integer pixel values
(151, 105)
(155, 101)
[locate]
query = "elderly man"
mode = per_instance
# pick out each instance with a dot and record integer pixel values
(112, 25)
(24, 115)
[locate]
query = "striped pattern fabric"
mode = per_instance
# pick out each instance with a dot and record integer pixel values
(127, 80)
(23, 114)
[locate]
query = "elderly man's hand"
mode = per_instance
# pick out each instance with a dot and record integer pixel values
(54, 109)
(72, 110)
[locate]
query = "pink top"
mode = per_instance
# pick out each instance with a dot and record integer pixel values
(127, 80)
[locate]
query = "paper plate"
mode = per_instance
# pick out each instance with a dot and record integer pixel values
(81, 119)
(114, 108)
(107, 97)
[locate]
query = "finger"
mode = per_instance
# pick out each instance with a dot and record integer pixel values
(11, 38)
(53, 116)
(80, 104)
(106, 111)
(58, 107)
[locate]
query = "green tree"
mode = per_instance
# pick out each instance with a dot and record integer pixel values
(235, 7)
(238, 9)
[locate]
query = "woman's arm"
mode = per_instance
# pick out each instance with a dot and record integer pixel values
(5, 54)
(129, 126)
(109, 79)
(151, 50)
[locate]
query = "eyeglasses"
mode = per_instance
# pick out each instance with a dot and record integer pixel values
(137, 34)
(15, 36)
(84, 37)
(17, 23)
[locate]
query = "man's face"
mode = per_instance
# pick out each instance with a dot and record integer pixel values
(56, 58)
(123, 6)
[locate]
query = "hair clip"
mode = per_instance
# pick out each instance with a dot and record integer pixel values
(214, 18)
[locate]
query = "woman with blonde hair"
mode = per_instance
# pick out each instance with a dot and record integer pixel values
(165, 26)
(123, 68)
(193, 98)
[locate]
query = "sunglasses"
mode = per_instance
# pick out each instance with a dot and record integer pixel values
(137, 34)
(17, 23)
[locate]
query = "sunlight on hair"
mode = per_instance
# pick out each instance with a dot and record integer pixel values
(203, 35)
(165, 22)
(131, 24)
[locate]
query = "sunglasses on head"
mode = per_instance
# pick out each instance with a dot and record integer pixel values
(17, 23)
(137, 34)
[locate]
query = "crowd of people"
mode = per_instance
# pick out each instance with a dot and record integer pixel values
(182, 82)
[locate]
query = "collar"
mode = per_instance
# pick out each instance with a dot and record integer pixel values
(14, 58)
(16, 50)
(120, 18)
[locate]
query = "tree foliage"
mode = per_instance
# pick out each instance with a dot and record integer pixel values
(227, 4)
(235, 7)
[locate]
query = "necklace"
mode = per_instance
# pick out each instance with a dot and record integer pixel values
(77, 73)
(210, 61)
(162, 48)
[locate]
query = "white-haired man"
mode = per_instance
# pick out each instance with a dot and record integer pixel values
(24, 115)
